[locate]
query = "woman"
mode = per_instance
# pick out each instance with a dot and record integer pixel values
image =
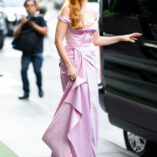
(74, 129)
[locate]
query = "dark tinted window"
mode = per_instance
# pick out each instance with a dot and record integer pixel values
(92, 0)
(120, 7)
(148, 17)
(144, 10)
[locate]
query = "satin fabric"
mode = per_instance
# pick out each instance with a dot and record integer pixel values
(73, 131)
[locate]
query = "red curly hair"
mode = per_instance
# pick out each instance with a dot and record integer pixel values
(75, 13)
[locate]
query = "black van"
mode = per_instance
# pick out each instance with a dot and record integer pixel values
(128, 90)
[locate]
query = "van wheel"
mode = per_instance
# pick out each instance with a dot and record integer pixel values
(139, 145)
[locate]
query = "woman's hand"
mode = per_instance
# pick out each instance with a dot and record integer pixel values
(131, 37)
(72, 73)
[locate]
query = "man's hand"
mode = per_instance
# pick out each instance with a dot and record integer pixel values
(24, 20)
(31, 23)
(19, 28)
(40, 29)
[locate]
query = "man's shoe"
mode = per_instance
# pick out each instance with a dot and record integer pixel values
(25, 96)
(41, 93)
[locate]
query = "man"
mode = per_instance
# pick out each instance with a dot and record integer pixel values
(38, 24)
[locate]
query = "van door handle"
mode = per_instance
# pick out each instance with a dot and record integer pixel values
(150, 44)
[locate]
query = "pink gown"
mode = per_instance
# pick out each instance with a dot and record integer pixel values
(73, 131)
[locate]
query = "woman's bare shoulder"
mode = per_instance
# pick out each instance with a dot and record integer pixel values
(65, 10)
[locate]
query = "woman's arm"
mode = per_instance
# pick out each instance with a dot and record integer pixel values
(103, 41)
(61, 30)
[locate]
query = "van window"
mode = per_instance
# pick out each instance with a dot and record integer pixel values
(144, 10)
(92, 0)
(148, 18)
(120, 7)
